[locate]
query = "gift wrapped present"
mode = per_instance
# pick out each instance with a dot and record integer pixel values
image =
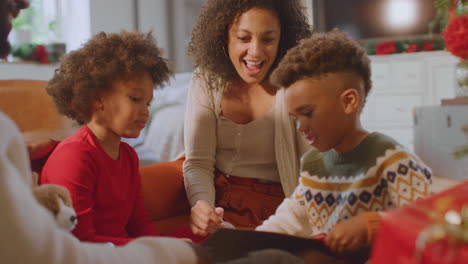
(432, 230)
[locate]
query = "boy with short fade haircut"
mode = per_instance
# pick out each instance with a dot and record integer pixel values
(344, 189)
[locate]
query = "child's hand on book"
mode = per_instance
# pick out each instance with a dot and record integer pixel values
(347, 235)
(205, 219)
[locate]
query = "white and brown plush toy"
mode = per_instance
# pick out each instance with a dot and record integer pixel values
(57, 200)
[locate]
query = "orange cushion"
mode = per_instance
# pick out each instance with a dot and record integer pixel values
(163, 190)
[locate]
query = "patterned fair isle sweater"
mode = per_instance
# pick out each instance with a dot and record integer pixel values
(376, 175)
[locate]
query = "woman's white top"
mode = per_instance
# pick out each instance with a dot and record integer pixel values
(247, 150)
(267, 148)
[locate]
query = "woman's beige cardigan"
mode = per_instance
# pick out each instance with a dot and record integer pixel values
(203, 104)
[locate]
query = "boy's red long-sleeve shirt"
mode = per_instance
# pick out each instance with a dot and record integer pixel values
(106, 193)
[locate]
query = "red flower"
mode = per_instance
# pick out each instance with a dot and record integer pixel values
(384, 48)
(456, 36)
(41, 54)
(429, 46)
(412, 48)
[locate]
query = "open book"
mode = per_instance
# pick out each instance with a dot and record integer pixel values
(227, 244)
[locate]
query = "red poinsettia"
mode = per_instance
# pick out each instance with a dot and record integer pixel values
(384, 48)
(412, 47)
(428, 46)
(456, 36)
(41, 54)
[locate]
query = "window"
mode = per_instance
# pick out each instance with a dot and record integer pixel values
(37, 24)
(51, 21)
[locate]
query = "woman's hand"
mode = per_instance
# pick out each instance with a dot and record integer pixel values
(205, 219)
(347, 235)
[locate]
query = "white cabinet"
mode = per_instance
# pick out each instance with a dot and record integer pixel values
(401, 82)
(439, 132)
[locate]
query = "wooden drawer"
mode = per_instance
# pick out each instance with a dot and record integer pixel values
(442, 78)
(381, 75)
(407, 75)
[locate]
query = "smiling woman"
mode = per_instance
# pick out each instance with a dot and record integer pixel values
(253, 41)
(241, 149)
(208, 46)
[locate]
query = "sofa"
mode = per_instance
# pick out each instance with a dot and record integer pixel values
(31, 108)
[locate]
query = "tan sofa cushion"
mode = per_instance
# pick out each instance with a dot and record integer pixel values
(32, 109)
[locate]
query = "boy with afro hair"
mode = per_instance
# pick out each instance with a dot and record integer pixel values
(356, 175)
(106, 86)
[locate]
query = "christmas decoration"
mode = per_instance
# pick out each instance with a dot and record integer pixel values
(456, 36)
(404, 46)
(37, 53)
(456, 41)
(385, 48)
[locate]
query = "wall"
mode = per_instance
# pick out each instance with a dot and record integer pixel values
(154, 16)
(82, 19)
(112, 15)
(308, 4)
(75, 23)
(171, 22)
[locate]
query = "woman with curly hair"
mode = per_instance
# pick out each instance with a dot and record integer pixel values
(241, 148)
(242, 152)
(106, 86)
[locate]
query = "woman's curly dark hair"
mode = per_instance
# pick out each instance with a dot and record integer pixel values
(208, 45)
(320, 54)
(104, 59)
